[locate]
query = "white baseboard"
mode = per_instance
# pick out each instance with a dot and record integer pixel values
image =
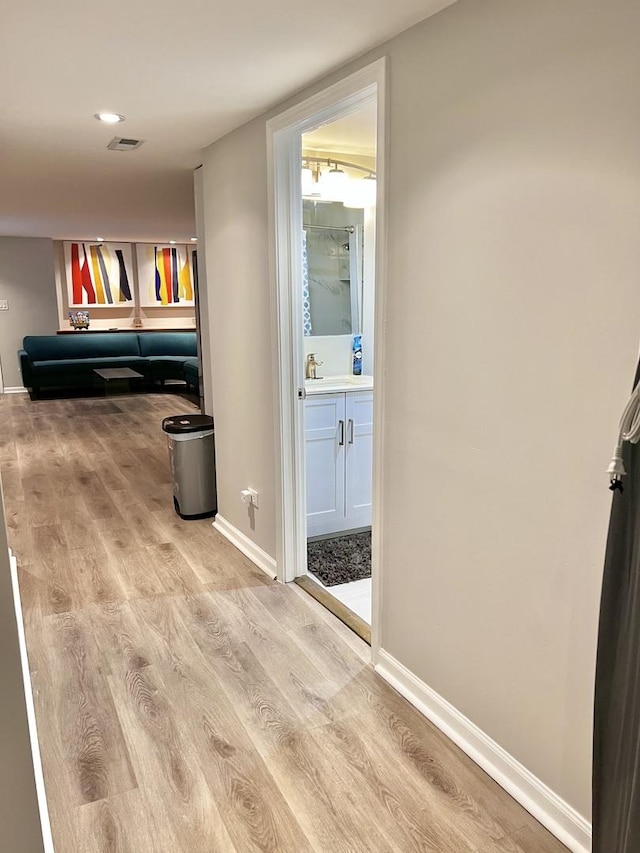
(552, 811)
(14, 389)
(45, 823)
(249, 548)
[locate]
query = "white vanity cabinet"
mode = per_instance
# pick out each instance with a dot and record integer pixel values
(339, 456)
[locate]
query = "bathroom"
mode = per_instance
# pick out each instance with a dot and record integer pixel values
(338, 257)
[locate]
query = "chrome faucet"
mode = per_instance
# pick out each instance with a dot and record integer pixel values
(311, 365)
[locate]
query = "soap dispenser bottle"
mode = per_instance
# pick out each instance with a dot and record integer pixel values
(357, 355)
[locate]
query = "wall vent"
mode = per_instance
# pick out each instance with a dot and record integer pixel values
(120, 143)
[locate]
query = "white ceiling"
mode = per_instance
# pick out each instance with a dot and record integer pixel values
(183, 74)
(354, 134)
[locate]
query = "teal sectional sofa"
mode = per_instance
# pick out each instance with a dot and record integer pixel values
(68, 361)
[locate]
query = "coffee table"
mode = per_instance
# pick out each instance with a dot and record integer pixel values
(117, 380)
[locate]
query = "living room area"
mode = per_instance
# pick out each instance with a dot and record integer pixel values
(94, 317)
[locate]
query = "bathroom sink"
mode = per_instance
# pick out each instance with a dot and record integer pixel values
(345, 382)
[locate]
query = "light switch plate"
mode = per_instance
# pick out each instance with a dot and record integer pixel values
(4, 304)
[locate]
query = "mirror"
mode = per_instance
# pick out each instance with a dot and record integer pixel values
(332, 268)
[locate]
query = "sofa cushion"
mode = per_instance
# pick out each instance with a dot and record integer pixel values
(167, 359)
(68, 366)
(168, 343)
(192, 370)
(81, 345)
(166, 366)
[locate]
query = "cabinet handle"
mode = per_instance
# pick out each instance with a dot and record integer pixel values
(341, 428)
(350, 430)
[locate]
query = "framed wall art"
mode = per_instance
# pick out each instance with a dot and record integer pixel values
(99, 274)
(167, 275)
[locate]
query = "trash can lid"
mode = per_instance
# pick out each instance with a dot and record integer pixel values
(187, 423)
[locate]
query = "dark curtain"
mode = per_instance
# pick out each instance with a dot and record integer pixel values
(616, 743)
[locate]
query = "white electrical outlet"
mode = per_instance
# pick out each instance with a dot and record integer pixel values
(249, 497)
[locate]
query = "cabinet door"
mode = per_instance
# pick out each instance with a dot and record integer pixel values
(359, 458)
(325, 437)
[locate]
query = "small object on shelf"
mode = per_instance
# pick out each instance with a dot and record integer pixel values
(137, 323)
(357, 355)
(79, 320)
(311, 367)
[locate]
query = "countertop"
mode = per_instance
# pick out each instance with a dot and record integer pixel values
(335, 384)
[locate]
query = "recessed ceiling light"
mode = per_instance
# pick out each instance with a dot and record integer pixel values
(194, 239)
(109, 118)
(172, 242)
(100, 239)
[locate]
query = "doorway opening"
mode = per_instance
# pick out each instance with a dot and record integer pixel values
(327, 194)
(338, 271)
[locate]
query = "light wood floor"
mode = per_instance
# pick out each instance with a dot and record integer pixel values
(187, 704)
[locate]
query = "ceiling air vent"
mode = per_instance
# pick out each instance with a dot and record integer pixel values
(120, 143)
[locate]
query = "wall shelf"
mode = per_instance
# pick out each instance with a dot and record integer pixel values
(126, 329)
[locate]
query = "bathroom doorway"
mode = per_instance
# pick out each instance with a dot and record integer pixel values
(339, 183)
(327, 193)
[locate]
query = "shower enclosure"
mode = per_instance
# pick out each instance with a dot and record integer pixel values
(333, 269)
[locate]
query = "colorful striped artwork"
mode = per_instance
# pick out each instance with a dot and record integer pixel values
(167, 275)
(99, 274)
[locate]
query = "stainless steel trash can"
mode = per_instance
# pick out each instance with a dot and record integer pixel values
(193, 465)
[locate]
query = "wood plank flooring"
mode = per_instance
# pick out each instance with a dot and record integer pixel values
(186, 703)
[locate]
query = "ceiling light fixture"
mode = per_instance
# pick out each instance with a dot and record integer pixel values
(307, 181)
(100, 239)
(194, 239)
(172, 242)
(337, 185)
(361, 193)
(334, 183)
(109, 118)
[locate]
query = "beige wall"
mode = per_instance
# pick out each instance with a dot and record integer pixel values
(238, 301)
(19, 815)
(204, 337)
(27, 282)
(513, 319)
